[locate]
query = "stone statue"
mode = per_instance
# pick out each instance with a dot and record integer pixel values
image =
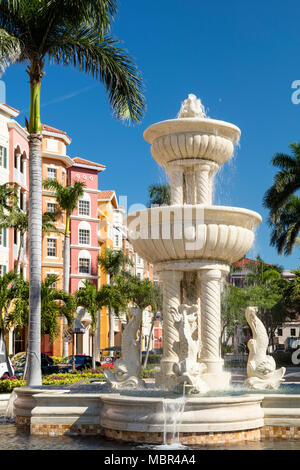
(127, 369)
(261, 368)
(188, 371)
(192, 108)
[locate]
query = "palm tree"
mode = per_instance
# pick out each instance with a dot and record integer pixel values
(19, 221)
(160, 195)
(88, 298)
(262, 273)
(8, 197)
(281, 201)
(5, 282)
(67, 33)
(67, 198)
(109, 296)
(285, 229)
(54, 303)
(145, 294)
(112, 263)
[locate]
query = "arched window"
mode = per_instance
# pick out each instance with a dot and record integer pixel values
(84, 262)
(84, 233)
(84, 205)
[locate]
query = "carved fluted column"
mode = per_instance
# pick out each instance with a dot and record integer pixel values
(211, 319)
(176, 184)
(171, 300)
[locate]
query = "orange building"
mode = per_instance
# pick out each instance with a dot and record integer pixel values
(107, 202)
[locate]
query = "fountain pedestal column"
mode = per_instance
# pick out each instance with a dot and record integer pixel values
(214, 376)
(171, 300)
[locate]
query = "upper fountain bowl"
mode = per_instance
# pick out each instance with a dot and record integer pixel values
(192, 138)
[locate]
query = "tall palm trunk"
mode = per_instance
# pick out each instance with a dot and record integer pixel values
(34, 376)
(111, 330)
(17, 266)
(93, 351)
(66, 272)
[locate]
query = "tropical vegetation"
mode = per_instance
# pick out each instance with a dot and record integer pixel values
(282, 201)
(66, 33)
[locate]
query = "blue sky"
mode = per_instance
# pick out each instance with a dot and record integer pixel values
(240, 58)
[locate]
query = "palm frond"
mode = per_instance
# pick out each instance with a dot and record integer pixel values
(105, 61)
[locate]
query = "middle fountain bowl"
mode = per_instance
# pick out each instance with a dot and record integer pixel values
(192, 232)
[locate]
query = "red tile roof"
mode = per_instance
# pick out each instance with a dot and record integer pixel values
(244, 261)
(106, 195)
(45, 127)
(87, 162)
(10, 107)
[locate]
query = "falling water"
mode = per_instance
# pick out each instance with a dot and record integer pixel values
(9, 412)
(173, 408)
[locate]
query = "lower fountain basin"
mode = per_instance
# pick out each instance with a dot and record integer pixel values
(200, 414)
(192, 232)
(153, 416)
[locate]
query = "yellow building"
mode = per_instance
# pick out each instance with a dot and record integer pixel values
(107, 202)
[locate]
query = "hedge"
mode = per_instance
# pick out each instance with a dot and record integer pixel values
(7, 385)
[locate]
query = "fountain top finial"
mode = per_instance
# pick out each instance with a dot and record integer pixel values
(192, 108)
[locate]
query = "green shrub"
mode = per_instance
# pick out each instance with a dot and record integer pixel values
(148, 373)
(57, 359)
(7, 385)
(154, 358)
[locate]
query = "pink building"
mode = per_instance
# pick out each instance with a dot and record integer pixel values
(84, 224)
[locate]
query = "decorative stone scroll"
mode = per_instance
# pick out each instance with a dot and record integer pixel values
(260, 367)
(127, 370)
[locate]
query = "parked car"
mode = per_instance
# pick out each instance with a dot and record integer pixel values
(47, 365)
(81, 362)
(279, 348)
(3, 366)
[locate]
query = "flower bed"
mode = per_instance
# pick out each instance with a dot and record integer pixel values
(7, 384)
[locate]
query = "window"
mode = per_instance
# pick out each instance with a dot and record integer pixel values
(3, 237)
(3, 158)
(84, 265)
(22, 165)
(51, 247)
(2, 269)
(116, 240)
(293, 331)
(15, 236)
(84, 208)
(51, 207)
(84, 237)
(279, 332)
(22, 200)
(51, 173)
(16, 157)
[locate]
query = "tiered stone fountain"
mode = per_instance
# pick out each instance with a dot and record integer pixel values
(192, 242)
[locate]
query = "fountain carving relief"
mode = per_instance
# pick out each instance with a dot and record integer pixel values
(127, 370)
(261, 368)
(188, 370)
